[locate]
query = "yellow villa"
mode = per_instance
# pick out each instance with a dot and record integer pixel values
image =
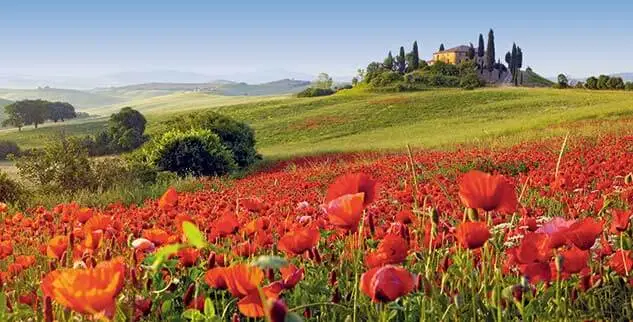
(453, 55)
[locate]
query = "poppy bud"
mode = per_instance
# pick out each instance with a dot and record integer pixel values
(48, 309)
(52, 266)
(235, 318)
(435, 216)
(370, 222)
(306, 313)
(336, 296)
(71, 239)
(148, 284)
(559, 263)
(108, 254)
(472, 214)
(211, 261)
(317, 256)
(270, 273)
(278, 311)
(332, 278)
(629, 178)
(186, 298)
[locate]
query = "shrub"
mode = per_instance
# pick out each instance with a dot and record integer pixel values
(470, 81)
(195, 152)
(386, 78)
(314, 92)
(11, 192)
(432, 80)
(445, 69)
(126, 130)
(237, 136)
(62, 164)
(8, 148)
(113, 171)
(628, 86)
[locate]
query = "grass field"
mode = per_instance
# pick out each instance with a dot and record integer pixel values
(359, 120)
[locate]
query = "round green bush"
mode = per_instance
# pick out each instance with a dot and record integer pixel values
(195, 152)
(11, 192)
(8, 148)
(236, 136)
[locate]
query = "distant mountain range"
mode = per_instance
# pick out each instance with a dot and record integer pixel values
(100, 97)
(157, 76)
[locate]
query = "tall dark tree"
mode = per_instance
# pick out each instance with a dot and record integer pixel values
(415, 57)
(388, 63)
(519, 63)
(401, 61)
(441, 47)
(471, 52)
(509, 60)
(489, 59)
(480, 48)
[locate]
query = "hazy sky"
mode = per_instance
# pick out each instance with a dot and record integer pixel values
(84, 38)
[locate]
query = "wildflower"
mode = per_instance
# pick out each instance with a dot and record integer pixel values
(351, 184)
(583, 233)
(87, 291)
(392, 249)
(472, 235)
(621, 262)
(291, 276)
(621, 220)
(169, 199)
(57, 246)
(345, 212)
(479, 190)
(387, 283)
(296, 242)
(574, 260)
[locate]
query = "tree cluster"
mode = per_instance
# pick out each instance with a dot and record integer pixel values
(514, 59)
(604, 82)
(36, 112)
(125, 132)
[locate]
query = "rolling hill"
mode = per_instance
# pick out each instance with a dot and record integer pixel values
(220, 87)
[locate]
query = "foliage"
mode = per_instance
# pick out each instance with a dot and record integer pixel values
(385, 78)
(591, 83)
(62, 164)
(489, 59)
(27, 112)
(470, 81)
(196, 152)
(442, 68)
(315, 92)
(11, 192)
(563, 82)
(8, 148)
(126, 130)
(628, 86)
(239, 137)
(323, 81)
(401, 61)
(414, 62)
(603, 82)
(60, 111)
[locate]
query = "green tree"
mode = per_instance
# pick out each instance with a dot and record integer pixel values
(489, 60)
(603, 82)
(401, 61)
(60, 111)
(591, 83)
(480, 47)
(471, 52)
(15, 116)
(127, 129)
(563, 81)
(323, 81)
(388, 63)
(441, 47)
(414, 64)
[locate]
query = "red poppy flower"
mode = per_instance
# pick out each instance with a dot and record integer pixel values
(3, 207)
(87, 291)
(215, 278)
(574, 260)
(583, 233)
(277, 311)
(480, 190)
(472, 235)
(345, 212)
(621, 262)
(296, 242)
(556, 229)
(537, 271)
(291, 276)
(25, 261)
(224, 226)
(169, 199)
(242, 281)
(6, 249)
(535, 247)
(621, 220)
(252, 204)
(56, 247)
(188, 256)
(387, 283)
(82, 215)
(391, 250)
(351, 184)
(405, 217)
(156, 236)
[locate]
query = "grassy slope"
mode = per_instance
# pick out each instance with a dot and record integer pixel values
(366, 121)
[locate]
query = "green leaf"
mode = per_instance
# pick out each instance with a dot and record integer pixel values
(3, 306)
(209, 308)
(275, 262)
(194, 235)
(166, 306)
(293, 317)
(192, 314)
(163, 253)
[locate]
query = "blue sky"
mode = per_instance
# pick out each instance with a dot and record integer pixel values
(84, 38)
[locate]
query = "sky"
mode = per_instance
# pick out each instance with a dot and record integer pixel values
(87, 38)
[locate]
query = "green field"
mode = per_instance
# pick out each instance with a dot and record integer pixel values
(359, 120)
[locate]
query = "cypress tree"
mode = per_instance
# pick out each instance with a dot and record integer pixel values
(514, 64)
(388, 63)
(489, 59)
(401, 61)
(415, 57)
(441, 47)
(480, 48)
(471, 52)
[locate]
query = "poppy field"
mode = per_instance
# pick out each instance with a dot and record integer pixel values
(538, 231)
